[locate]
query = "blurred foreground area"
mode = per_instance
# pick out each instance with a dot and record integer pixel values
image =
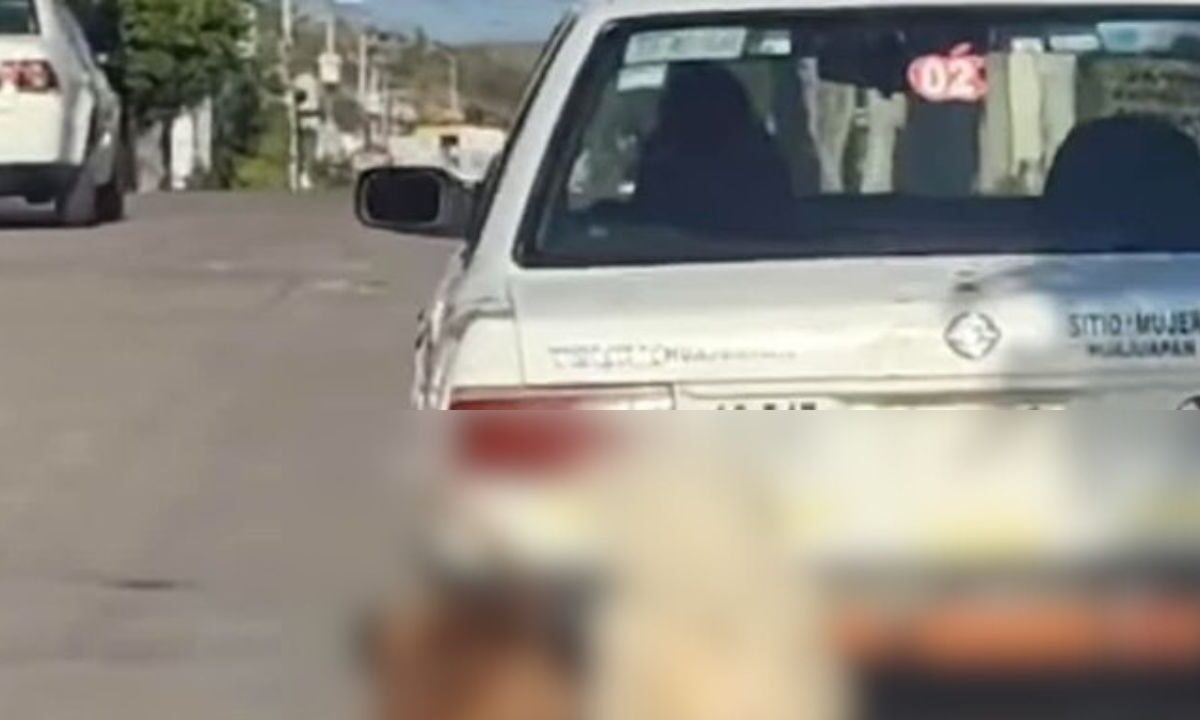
(209, 468)
(957, 565)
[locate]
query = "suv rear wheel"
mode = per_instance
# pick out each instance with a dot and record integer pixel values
(110, 201)
(77, 204)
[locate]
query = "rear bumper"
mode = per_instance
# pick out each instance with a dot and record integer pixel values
(1099, 633)
(35, 179)
(1068, 621)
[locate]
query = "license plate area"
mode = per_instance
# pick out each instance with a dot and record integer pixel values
(785, 403)
(748, 398)
(769, 404)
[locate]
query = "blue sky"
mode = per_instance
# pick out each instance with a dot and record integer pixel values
(472, 20)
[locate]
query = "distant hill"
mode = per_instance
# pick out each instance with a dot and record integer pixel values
(494, 75)
(516, 55)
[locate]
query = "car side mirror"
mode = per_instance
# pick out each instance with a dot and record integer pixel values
(417, 200)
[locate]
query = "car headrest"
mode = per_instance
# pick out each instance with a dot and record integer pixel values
(703, 103)
(1127, 173)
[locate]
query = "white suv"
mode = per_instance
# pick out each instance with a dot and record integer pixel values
(59, 117)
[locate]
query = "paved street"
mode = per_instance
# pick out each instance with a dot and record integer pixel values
(200, 412)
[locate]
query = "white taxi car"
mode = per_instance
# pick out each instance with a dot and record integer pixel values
(774, 204)
(800, 205)
(59, 117)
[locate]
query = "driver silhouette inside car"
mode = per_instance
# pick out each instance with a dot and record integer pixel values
(710, 165)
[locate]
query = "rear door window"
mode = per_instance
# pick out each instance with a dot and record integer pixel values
(78, 39)
(18, 17)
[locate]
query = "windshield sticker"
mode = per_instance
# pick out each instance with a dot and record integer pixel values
(666, 46)
(958, 76)
(1032, 45)
(1079, 43)
(776, 43)
(642, 77)
(1137, 334)
(1143, 38)
(1122, 37)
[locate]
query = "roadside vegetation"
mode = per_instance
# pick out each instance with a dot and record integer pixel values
(166, 56)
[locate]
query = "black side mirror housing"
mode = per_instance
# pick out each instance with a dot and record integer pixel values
(416, 200)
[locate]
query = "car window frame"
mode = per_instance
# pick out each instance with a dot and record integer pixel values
(487, 190)
(77, 38)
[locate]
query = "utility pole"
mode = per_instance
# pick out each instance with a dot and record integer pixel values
(330, 75)
(331, 32)
(386, 130)
(364, 59)
(453, 91)
(286, 40)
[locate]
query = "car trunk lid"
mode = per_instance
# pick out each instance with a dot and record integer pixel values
(1045, 324)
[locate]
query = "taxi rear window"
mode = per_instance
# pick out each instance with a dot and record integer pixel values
(18, 17)
(897, 132)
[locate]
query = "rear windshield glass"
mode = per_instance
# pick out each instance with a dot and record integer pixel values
(893, 133)
(17, 17)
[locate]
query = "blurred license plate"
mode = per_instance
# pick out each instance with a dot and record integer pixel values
(698, 401)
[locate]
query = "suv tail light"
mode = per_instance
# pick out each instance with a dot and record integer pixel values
(533, 444)
(34, 76)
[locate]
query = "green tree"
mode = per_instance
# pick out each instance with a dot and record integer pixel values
(178, 52)
(240, 120)
(266, 166)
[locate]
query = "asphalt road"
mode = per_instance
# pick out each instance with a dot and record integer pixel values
(202, 412)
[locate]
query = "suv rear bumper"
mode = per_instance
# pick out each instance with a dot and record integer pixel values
(35, 180)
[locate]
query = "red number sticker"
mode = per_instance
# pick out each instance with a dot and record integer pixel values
(958, 76)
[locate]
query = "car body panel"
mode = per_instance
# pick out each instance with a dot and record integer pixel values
(841, 320)
(875, 321)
